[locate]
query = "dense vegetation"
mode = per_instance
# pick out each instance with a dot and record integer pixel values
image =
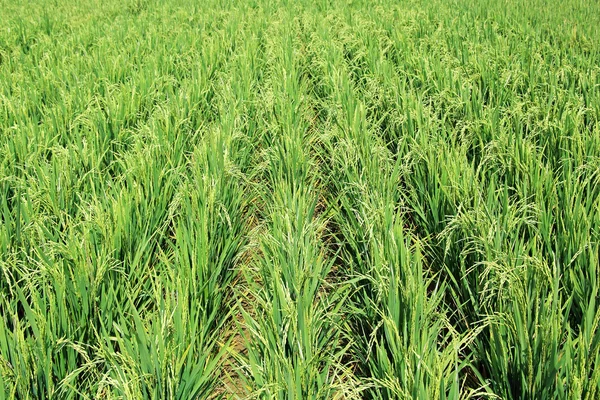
(320, 199)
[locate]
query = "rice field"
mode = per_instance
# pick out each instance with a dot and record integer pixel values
(314, 199)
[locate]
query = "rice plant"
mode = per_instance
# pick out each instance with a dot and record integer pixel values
(299, 200)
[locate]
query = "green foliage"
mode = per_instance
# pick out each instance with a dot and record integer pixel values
(299, 200)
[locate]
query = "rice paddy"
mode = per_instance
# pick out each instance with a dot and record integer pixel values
(329, 199)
